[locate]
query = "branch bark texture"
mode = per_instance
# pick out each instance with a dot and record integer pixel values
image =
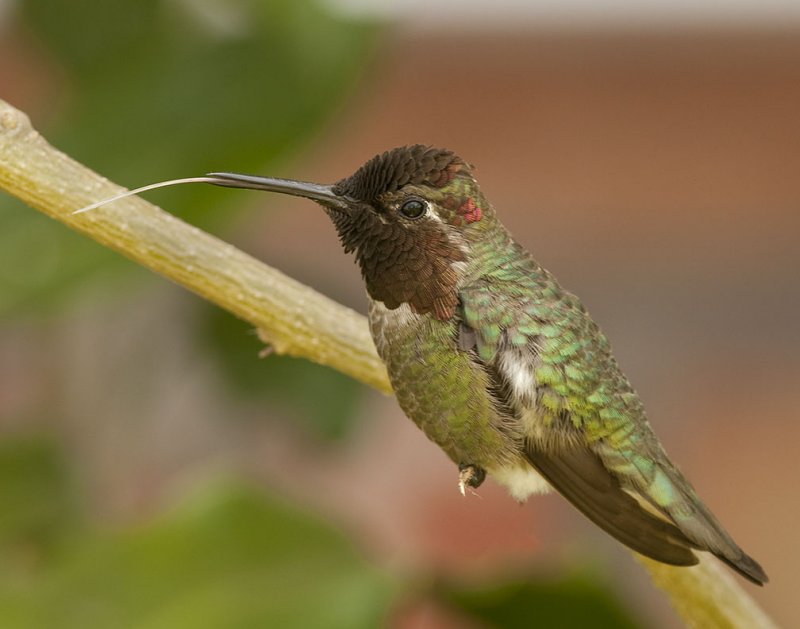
(291, 317)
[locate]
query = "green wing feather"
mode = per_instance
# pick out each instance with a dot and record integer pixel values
(594, 444)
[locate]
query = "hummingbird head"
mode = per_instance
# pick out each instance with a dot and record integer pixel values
(410, 216)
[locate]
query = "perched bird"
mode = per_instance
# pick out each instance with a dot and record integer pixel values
(499, 365)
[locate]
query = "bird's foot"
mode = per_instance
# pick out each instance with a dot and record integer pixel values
(470, 476)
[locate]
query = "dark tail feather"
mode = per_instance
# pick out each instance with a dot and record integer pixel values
(705, 531)
(748, 567)
(578, 474)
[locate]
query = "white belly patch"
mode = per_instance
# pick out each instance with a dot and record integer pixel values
(521, 481)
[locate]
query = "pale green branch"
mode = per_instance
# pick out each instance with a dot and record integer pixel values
(291, 317)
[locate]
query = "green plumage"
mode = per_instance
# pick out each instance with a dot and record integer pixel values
(500, 366)
(521, 375)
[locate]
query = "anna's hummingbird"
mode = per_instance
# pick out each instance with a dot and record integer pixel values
(499, 365)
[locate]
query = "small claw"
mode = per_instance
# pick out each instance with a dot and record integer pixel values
(469, 475)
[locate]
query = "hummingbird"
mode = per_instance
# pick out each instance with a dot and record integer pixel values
(499, 365)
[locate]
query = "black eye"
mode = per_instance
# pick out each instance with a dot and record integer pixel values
(413, 208)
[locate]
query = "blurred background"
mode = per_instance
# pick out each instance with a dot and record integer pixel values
(154, 472)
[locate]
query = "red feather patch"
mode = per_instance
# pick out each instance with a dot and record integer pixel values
(470, 211)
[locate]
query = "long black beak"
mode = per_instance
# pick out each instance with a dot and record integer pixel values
(323, 194)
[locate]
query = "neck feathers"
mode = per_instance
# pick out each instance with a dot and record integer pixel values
(400, 266)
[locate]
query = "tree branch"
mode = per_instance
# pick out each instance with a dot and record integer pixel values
(291, 317)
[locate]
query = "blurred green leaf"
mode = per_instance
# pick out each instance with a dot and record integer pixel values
(157, 89)
(325, 400)
(36, 503)
(229, 558)
(577, 602)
